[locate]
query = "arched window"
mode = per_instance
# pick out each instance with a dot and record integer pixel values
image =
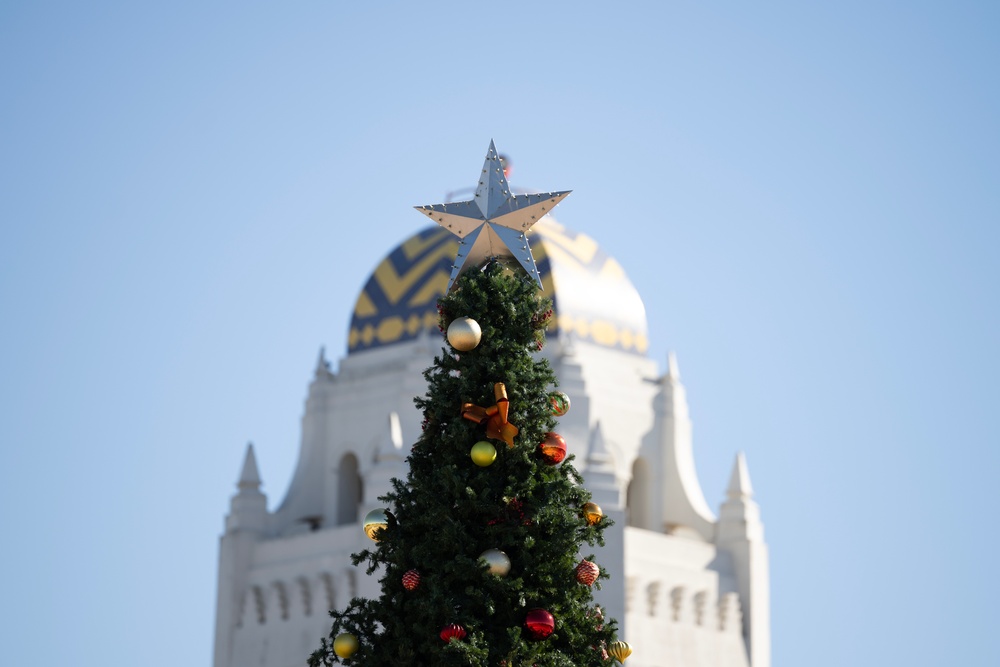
(348, 490)
(638, 496)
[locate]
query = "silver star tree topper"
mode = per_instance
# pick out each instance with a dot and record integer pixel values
(492, 224)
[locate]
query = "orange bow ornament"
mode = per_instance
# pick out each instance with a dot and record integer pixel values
(495, 416)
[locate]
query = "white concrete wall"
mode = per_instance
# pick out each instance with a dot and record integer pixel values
(292, 585)
(674, 596)
(675, 614)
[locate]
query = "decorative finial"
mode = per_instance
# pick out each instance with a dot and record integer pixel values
(739, 481)
(598, 456)
(249, 476)
(492, 224)
(390, 446)
(673, 370)
(322, 365)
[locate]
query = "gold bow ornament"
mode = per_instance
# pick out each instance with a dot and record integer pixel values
(495, 416)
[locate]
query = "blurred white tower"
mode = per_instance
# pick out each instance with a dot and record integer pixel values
(687, 588)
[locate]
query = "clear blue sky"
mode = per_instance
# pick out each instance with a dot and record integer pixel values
(805, 194)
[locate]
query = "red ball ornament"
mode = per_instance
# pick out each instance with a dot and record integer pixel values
(452, 631)
(539, 623)
(586, 572)
(552, 449)
(411, 579)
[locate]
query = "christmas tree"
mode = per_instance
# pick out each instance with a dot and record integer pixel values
(479, 549)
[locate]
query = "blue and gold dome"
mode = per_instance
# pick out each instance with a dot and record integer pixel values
(593, 299)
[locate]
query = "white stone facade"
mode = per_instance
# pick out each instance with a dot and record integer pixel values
(687, 588)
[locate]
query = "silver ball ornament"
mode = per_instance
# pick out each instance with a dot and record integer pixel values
(498, 561)
(375, 522)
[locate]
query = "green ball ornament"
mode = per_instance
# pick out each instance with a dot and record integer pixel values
(464, 334)
(483, 453)
(345, 645)
(558, 403)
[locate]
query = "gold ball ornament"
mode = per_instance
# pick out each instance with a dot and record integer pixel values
(464, 334)
(483, 453)
(375, 522)
(345, 645)
(592, 513)
(619, 651)
(498, 561)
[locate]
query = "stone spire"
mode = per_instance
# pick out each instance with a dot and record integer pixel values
(322, 365)
(600, 479)
(683, 503)
(673, 370)
(390, 447)
(310, 493)
(246, 524)
(248, 507)
(389, 463)
(741, 533)
(249, 475)
(739, 481)
(739, 518)
(600, 471)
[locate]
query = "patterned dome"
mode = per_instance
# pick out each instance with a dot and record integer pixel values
(593, 298)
